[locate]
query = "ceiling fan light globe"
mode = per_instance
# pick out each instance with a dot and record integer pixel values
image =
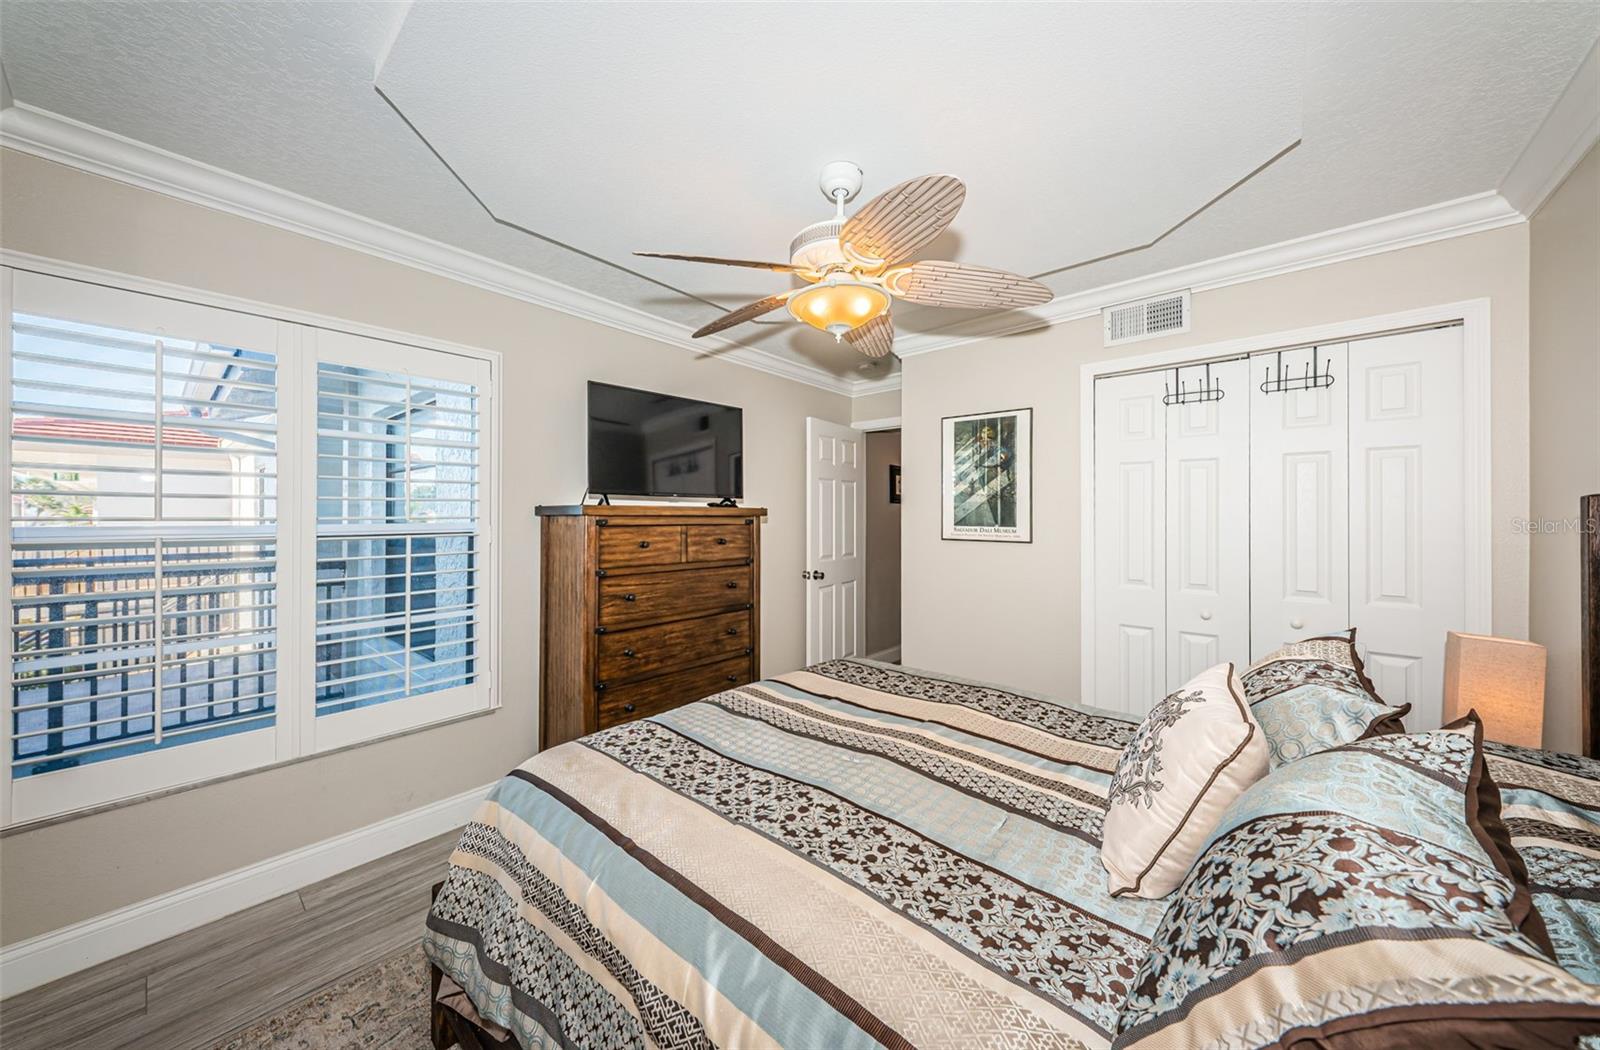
(837, 306)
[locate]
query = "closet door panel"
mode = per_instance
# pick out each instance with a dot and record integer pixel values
(1299, 505)
(1208, 527)
(1130, 543)
(1407, 537)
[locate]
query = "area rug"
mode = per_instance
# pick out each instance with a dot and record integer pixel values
(381, 1007)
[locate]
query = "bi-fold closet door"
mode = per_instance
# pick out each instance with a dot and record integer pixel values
(1224, 528)
(1171, 535)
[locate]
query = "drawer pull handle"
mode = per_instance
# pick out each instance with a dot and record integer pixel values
(644, 545)
(733, 630)
(628, 708)
(733, 585)
(627, 652)
(733, 678)
(748, 650)
(629, 598)
(722, 541)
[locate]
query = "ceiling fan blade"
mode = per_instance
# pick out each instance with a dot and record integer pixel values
(932, 282)
(752, 264)
(744, 313)
(875, 338)
(897, 222)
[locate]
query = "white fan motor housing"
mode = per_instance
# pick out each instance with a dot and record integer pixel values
(817, 246)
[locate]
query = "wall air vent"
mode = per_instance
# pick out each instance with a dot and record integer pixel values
(1147, 318)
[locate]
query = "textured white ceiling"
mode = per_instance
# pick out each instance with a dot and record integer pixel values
(638, 127)
(594, 129)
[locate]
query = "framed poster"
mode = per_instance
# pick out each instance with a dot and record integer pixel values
(987, 491)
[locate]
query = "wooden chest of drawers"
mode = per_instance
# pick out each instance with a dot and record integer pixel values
(643, 609)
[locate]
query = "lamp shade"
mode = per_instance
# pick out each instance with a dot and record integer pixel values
(837, 306)
(1502, 679)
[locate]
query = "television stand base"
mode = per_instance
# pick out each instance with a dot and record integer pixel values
(603, 501)
(725, 501)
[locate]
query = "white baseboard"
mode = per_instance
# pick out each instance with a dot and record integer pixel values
(890, 655)
(40, 960)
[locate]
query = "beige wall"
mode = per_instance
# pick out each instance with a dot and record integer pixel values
(1564, 380)
(885, 405)
(883, 544)
(60, 874)
(1022, 599)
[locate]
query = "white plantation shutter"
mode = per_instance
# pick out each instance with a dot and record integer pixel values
(399, 478)
(143, 539)
(231, 540)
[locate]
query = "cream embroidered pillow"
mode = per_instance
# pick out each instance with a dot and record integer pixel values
(1194, 753)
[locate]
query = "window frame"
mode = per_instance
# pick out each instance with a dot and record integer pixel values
(299, 339)
(337, 730)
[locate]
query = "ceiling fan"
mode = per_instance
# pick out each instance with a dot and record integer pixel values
(856, 266)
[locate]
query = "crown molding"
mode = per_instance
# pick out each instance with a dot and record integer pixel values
(888, 383)
(99, 152)
(1475, 214)
(66, 141)
(1567, 134)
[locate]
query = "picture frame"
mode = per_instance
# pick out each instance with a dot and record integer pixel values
(986, 489)
(894, 483)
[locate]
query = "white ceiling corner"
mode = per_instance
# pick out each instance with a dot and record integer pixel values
(1570, 131)
(648, 126)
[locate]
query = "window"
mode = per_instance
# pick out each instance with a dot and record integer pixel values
(398, 537)
(208, 573)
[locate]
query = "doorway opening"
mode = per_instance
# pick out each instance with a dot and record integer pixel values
(852, 568)
(883, 545)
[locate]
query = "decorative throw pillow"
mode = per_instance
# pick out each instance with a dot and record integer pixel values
(1312, 695)
(1356, 898)
(1191, 756)
(1552, 819)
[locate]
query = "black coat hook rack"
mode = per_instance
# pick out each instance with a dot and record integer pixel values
(1207, 391)
(1315, 376)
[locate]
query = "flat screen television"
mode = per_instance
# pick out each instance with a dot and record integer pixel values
(647, 444)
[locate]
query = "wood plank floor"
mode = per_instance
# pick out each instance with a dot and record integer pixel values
(197, 988)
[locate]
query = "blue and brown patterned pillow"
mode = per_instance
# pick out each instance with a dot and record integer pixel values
(1312, 695)
(1358, 897)
(1551, 810)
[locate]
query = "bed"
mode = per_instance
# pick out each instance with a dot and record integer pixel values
(851, 855)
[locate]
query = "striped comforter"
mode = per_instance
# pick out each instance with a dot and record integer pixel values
(845, 856)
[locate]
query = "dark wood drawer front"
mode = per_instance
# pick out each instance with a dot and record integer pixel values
(718, 542)
(672, 595)
(651, 650)
(624, 703)
(622, 546)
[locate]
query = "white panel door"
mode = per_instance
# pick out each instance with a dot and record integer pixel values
(836, 519)
(1208, 526)
(1130, 487)
(1407, 530)
(1299, 508)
